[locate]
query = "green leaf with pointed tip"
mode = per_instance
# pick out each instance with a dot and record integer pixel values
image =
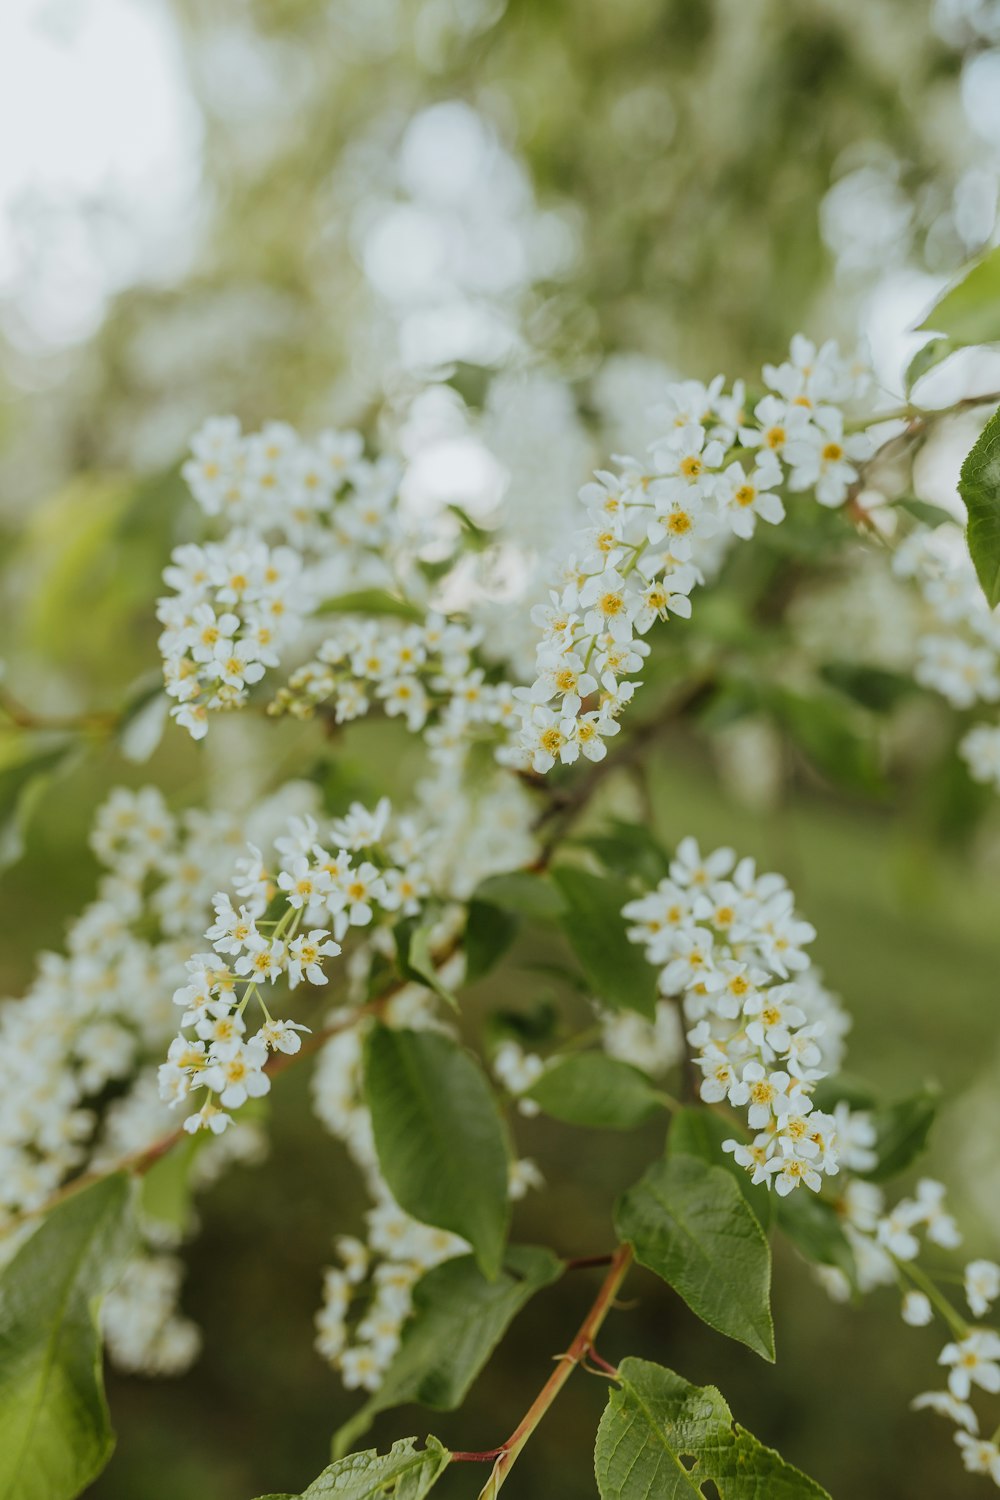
(615, 968)
(927, 358)
(969, 311)
(979, 487)
(55, 1434)
(441, 1141)
(406, 1472)
(690, 1224)
(661, 1438)
(416, 962)
(458, 1319)
(591, 1088)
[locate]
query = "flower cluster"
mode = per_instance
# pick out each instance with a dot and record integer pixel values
(886, 1246)
(235, 605)
(90, 1027)
(324, 886)
(95, 1014)
(304, 521)
(654, 530)
(763, 1029)
(958, 655)
(423, 673)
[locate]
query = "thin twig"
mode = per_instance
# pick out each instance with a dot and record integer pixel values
(505, 1457)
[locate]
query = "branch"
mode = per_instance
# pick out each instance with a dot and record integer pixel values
(565, 807)
(506, 1456)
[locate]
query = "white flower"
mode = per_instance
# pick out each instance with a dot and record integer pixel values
(688, 868)
(979, 1455)
(281, 1036)
(982, 1285)
(945, 1404)
(973, 1361)
(916, 1309)
(304, 954)
(743, 497)
(239, 1077)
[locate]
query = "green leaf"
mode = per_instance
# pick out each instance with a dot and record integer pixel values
(690, 1224)
(489, 932)
(371, 602)
(416, 962)
(873, 687)
(927, 358)
(629, 849)
(590, 1088)
(165, 1190)
(441, 1142)
(522, 893)
(901, 1133)
(55, 1434)
(979, 487)
(458, 1319)
(829, 735)
(699, 1132)
(924, 511)
(661, 1438)
(404, 1473)
(815, 1230)
(615, 968)
(476, 537)
(22, 785)
(969, 311)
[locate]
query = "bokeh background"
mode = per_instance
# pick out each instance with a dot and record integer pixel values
(487, 232)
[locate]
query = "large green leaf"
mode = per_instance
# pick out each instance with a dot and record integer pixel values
(615, 968)
(690, 1224)
(458, 1319)
(590, 1088)
(55, 1435)
(441, 1142)
(969, 311)
(661, 1438)
(406, 1472)
(979, 487)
